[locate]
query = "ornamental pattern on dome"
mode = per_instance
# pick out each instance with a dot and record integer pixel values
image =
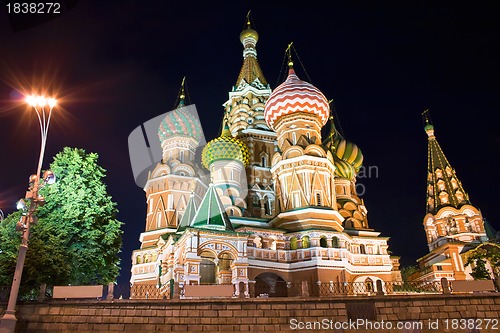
(295, 95)
(350, 153)
(180, 122)
(225, 147)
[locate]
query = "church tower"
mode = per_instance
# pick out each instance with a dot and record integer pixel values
(226, 157)
(452, 224)
(244, 114)
(348, 161)
(302, 170)
(172, 181)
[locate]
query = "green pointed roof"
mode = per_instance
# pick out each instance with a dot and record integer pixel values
(189, 214)
(443, 187)
(490, 232)
(211, 214)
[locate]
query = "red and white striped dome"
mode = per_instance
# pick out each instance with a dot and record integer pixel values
(295, 95)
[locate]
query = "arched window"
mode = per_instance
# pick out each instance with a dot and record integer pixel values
(231, 212)
(207, 268)
(369, 285)
(305, 242)
(224, 263)
(323, 242)
(181, 158)
(335, 242)
(362, 249)
(255, 201)
(293, 243)
(263, 161)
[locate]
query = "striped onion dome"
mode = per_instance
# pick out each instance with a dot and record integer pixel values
(343, 169)
(295, 95)
(225, 147)
(350, 153)
(180, 122)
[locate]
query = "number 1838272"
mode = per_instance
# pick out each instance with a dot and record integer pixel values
(33, 8)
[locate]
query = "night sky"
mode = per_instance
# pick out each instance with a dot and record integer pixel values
(117, 64)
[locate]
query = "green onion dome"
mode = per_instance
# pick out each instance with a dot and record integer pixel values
(343, 169)
(225, 147)
(350, 153)
(180, 122)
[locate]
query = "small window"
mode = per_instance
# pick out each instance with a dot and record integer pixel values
(296, 199)
(318, 199)
(293, 243)
(323, 242)
(158, 219)
(182, 156)
(439, 267)
(362, 249)
(170, 201)
(264, 162)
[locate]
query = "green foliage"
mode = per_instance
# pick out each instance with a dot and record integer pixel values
(407, 271)
(9, 245)
(77, 238)
(480, 272)
(486, 252)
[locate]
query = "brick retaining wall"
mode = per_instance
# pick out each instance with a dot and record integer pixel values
(260, 315)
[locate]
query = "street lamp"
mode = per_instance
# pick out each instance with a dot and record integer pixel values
(28, 206)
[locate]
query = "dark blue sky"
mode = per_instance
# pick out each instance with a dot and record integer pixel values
(116, 64)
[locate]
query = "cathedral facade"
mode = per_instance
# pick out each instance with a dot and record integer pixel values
(272, 203)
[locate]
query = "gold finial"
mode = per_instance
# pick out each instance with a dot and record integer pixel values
(289, 53)
(182, 88)
(248, 19)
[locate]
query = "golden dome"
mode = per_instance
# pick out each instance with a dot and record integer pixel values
(249, 33)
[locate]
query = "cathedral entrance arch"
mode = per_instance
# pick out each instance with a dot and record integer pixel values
(270, 284)
(208, 271)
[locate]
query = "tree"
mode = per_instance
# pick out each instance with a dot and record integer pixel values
(77, 238)
(486, 252)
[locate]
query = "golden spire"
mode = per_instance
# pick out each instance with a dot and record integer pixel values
(182, 96)
(289, 54)
(251, 68)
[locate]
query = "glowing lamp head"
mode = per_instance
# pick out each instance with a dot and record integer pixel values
(21, 205)
(40, 101)
(49, 177)
(31, 100)
(52, 102)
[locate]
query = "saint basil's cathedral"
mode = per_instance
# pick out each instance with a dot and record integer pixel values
(273, 203)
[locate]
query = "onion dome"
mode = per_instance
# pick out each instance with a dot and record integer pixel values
(180, 122)
(295, 95)
(350, 153)
(225, 147)
(249, 33)
(343, 169)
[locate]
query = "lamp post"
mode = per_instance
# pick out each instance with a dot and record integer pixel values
(43, 107)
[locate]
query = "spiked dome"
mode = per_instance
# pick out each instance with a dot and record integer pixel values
(180, 122)
(295, 95)
(225, 147)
